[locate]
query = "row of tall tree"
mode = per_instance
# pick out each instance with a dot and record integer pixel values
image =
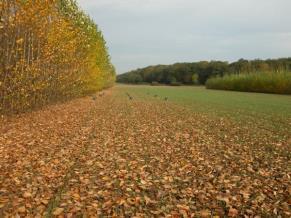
(200, 72)
(50, 50)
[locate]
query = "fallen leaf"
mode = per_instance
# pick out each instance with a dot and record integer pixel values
(58, 211)
(205, 213)
(27, 195)
(233, 212)
(21, 209)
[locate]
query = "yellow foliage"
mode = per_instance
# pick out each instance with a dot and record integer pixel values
(50, 51)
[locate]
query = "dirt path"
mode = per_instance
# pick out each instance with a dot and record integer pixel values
(117, 157)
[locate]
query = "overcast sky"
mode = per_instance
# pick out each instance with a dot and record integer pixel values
(148, 32)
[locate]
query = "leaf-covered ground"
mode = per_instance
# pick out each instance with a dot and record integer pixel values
(145, 157)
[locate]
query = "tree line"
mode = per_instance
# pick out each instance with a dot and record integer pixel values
(50, 50)
(200, 72)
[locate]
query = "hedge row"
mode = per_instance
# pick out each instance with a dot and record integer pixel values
(278, 83)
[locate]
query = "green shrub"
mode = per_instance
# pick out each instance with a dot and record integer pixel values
(155, 84)
(175, 84)
(195, 79)
(278, 83)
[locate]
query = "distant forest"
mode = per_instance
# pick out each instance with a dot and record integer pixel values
(200, 72)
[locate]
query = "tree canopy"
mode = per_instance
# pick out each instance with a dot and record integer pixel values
(50, 50)
(200, 72)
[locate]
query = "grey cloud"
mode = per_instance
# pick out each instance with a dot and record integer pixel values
(146, 32)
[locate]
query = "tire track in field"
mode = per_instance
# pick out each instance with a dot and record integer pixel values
(34, 163)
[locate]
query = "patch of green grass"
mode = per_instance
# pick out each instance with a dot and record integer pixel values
(269, 111)
(217, 100)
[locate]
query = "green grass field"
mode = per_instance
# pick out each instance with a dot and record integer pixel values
(220, 101)
(259, 111)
